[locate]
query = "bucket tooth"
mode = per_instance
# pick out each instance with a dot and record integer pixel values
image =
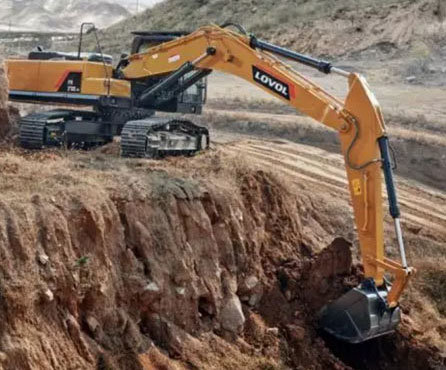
(360, 314)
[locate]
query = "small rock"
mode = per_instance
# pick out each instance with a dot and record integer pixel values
(92, 323)
(229, 282)
(273, 331)
(180, 290)
(251, 290)
(152, 287)
(49, 296)
(150, 293)
(71, 322)
(251, 282)
(75, 275)
(254, 299)
(43, 259)
(411, 78)
(3, 356)
(232, 317)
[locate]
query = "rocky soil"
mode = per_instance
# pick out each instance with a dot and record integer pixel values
(188, 263)
(196, 263)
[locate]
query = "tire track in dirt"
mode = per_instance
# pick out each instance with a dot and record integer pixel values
(420, 206)
(420, 148)
(405, 196)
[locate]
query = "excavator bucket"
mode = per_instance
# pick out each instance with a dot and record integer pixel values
(360, 314)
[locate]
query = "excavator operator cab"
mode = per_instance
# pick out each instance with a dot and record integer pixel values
(190, 100)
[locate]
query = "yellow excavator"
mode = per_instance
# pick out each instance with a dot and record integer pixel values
(166, 72)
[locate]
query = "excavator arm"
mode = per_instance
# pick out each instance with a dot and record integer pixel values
(372, 308)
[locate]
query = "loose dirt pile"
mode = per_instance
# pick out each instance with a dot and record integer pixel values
(199, 263)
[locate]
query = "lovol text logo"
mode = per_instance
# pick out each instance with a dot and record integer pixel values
(270, 82)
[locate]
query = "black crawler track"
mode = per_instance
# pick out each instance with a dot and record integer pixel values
(32, 128)
(135, 143)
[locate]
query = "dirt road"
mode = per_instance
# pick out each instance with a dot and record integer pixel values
(394, 96)
(421, 206)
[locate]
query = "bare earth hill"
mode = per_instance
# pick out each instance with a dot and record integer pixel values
(331, 28)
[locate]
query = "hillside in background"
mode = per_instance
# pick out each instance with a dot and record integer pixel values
(58, 15)
(332, 28)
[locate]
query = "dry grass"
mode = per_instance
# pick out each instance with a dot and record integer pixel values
(53, 172)
(283, 21)
(414, 122)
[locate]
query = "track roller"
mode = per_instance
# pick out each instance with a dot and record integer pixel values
(159, 137)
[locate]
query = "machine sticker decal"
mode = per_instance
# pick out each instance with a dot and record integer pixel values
(356, 184)
(70, 82)
(272, 83)
(174, 58)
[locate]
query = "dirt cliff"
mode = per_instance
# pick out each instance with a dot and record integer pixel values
(198, 263)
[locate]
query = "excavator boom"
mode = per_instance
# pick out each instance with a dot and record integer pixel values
(372, 308)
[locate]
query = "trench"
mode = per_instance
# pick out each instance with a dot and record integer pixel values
(389, 352)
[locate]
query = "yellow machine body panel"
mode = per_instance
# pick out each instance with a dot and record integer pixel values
(60, 76)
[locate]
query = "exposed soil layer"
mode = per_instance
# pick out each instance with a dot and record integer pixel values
(202, 263)
(8, 114)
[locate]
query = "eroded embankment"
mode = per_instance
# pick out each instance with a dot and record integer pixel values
(189, 263)
(8, 114)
